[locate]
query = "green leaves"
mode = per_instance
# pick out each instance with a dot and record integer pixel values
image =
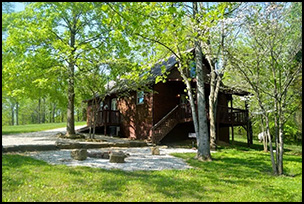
(172, 10)
(104, 7)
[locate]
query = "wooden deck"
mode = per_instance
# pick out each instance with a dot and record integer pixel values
(232, 116)
(225, 115)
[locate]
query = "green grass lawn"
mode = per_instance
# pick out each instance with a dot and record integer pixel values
(237, 173)
(34, 127)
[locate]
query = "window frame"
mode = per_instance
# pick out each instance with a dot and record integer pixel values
(115, 104)
(140, 95)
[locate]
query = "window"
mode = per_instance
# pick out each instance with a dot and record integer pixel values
(192, 69)
(101, 105)
(140, 97)
(114, 104)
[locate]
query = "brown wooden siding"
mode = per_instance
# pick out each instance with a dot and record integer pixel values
(136, 118)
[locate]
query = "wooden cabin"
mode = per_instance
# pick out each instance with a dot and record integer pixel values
(164, 114)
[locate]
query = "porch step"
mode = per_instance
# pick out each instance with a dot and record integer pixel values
(83, 129)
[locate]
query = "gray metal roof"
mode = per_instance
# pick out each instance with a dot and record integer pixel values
(169, 64)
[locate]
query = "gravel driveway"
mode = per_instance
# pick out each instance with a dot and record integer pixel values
(47, 137)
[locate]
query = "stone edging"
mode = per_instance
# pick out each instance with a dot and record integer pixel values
(72, 145)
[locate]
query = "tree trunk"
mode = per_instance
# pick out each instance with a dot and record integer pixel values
(91, 122)
(71, 98)
(44, 112)
(53, 112)
(39, 111)
(215, 80)
(13, 113)
(203, 136)
(264, 135)
(213, 130)
(281, 151)
(71, 93)
(50, 112)
(213, 96)
(191, 100)
(274, 167)
(189, 93)
(17, 113)
(280, 140)
(203, 152)
(273, 163)
(212, 109)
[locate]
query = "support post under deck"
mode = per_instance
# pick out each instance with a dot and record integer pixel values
(232, 120)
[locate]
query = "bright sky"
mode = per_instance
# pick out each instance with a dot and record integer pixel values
(18, 6)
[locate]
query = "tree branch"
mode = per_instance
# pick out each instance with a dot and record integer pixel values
(153, 40)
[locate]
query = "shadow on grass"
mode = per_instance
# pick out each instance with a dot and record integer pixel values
(229, 169)
(154, 185)
(17, 161)
(113, 183)
(243, 146)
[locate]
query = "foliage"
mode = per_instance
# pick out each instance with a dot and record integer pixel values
(49, 43)
(267, 57)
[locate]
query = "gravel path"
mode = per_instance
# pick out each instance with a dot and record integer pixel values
(47, 137)
(140, 158)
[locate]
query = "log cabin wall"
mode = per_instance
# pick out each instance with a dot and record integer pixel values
(136, 119)
(223, 133)
(165, 98)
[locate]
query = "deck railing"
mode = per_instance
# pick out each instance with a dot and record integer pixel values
(108, 117)
(225, 114)
(234, 116)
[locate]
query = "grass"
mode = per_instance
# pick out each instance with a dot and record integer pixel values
(34, 127)
(237, 173)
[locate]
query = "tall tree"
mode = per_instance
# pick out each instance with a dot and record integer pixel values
(215, 26)
(203, 140)
(66, 31)
(268, 57)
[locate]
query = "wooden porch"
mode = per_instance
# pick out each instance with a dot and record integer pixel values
(108, 117)
(226, 116)
(105, 118)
